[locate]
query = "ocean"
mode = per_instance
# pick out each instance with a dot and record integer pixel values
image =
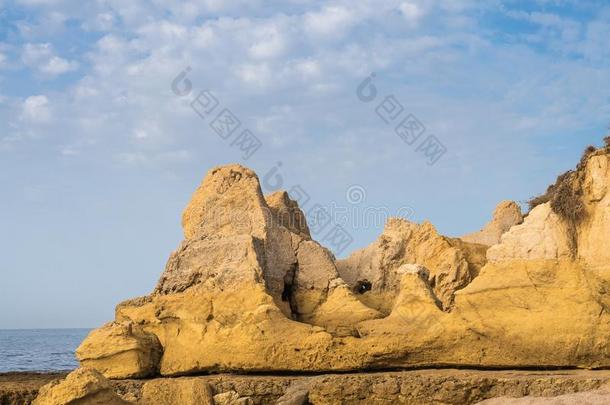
(39, 349)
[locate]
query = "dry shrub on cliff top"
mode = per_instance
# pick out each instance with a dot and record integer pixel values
(566, 200)
(565, 195)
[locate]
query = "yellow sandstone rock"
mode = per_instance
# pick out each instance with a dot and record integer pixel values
(189, 391)
(593, 236)
(121, 350)
(506, 215)
(403, 242)
(543, 235)
(244, 292)
(287, 213)
(81, 387)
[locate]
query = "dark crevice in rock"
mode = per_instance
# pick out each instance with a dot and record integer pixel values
(379, 370)
(291, 283)
(363, 286)
(289, 288)
(261, 257)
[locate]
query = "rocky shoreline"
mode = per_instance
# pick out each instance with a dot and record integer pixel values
(422, 387)
(18, 388)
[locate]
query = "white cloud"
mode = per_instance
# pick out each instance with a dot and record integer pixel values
(148, 131)
(56, 66)
(256, 75)
(202, 37)
(100, 21)
(412, 12)
(40, 2)
(164, 32)
(35, 109)
(331, 21)
(34, 53)
(595, 44)
(154, 159)
(268, 43)
(84, 90)
(69, 151)
(308, 68)
(309, 61)
(42, 58)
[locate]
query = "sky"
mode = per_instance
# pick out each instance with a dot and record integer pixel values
(112, 111)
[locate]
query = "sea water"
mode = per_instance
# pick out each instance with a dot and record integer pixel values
(39, 349)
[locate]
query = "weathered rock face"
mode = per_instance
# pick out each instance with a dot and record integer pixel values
(526, 309)
(541, 236)
(287, 213)
(545, 235)
(186, 391)
(82, 387)
(214, 262)
(228, 202)
(121, 350)
(593, 241)
(235, 235)
(403, 242)
(249, 290)
(506, 215)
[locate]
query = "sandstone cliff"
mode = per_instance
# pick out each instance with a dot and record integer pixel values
(250, 290)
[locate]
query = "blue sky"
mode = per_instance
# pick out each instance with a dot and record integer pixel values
(98, 156)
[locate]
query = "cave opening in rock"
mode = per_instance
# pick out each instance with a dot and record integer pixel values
(289, 287)
(287, 291)
(363, 286)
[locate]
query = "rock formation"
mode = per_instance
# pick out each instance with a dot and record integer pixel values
(250, 290)
(506, 215)
(541, 236)
(83, 386)
(452, 264)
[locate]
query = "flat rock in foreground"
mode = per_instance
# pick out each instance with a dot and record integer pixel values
(421, 387)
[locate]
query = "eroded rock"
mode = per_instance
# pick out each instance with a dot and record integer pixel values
(215, 262)
(506, 215)
(229, 201)
(296, 394)
(81, 387)
(228, 212)
(121, 350)
(404, 242)
(543, 235)
(184, 391)
(593, 243)
(231, 398)
(287, 213)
